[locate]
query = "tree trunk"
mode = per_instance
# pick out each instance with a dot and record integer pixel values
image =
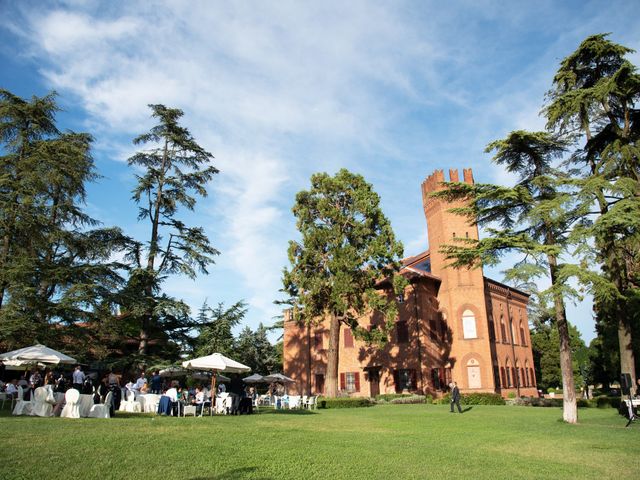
(569, 404)
(627, 359)
(153, 250)
(332, 357)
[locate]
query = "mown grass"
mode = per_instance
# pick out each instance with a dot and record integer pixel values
(386, 441)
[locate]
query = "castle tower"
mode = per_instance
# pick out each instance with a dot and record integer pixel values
(462, 292)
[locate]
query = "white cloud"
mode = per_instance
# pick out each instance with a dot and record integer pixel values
(278, 90)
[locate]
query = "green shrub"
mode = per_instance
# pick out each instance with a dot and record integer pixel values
(475, 399)
(544, 402)
(482, 399)
(387, 397)
(604, 401)
(345, 402)
(428, 399)
(409, 399)
(512, 395)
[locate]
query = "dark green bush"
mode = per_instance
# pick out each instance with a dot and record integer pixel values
(604, 401)
(545, 402)
(482, 399)
(476, 399)
(345, 402)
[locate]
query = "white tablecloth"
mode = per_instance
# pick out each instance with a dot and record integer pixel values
(149, 402)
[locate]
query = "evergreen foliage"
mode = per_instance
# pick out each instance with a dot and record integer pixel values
(175, 169)
(54, 263)
(347, 247)
(593, 103)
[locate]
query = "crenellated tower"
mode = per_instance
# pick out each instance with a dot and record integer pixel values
(462, 292)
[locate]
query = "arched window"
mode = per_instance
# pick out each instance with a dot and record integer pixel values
(473, 374)
(509, 372)
(503, 329)
(469, 324)
(523, 338)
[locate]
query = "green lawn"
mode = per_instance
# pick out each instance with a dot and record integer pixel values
(385, 441)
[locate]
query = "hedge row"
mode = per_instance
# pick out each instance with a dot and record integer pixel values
(599, 402)
(476, 399)
(409, 399)
(345, 402)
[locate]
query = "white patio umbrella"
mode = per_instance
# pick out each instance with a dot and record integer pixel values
(217, 363)
(37, 354)
(255, 378)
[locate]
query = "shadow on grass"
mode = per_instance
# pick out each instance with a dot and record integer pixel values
(273, 411)
(236, 473)
(466, 409)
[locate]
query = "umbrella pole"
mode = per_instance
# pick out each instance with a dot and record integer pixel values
(213, 389)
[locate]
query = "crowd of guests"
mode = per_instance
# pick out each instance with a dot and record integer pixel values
(91, 384)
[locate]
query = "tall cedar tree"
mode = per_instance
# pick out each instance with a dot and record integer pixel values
(175, 169)
(215, 328)
(533, 218)
(593, 101)
(52, 268)
(347, 247)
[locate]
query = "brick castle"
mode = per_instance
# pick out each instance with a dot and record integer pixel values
(453, 324)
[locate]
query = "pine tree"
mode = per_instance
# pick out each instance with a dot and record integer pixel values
(593, 101)
(347, 247)
(53, 266)
(175, 169)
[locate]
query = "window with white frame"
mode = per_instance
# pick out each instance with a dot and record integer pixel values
(469, 324)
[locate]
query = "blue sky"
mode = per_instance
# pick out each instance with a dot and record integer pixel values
(280, 90)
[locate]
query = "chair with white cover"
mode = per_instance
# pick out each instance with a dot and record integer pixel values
(101, 410)
(40, 406)
(294, 401)
(311, 403)
(71, 408)
(222, 403)
(23, 407)
(132, 405)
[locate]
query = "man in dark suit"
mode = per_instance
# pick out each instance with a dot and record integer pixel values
(455, 396)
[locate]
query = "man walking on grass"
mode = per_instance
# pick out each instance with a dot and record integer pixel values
(455, 396)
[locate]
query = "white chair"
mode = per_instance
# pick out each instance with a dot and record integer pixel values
(311, 403)
(132, 405)
(23, 407)
(40, 406)
(101, 410)
(222, 403)
(149, 402)
(294, 401)
(71, 408)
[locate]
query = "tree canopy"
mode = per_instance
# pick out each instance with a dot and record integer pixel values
(347, 246)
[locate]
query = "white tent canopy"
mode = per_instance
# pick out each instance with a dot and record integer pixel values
(217, 362)
(278, 377)
(36, 354)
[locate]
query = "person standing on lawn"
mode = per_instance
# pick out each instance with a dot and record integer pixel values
(455, 396)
